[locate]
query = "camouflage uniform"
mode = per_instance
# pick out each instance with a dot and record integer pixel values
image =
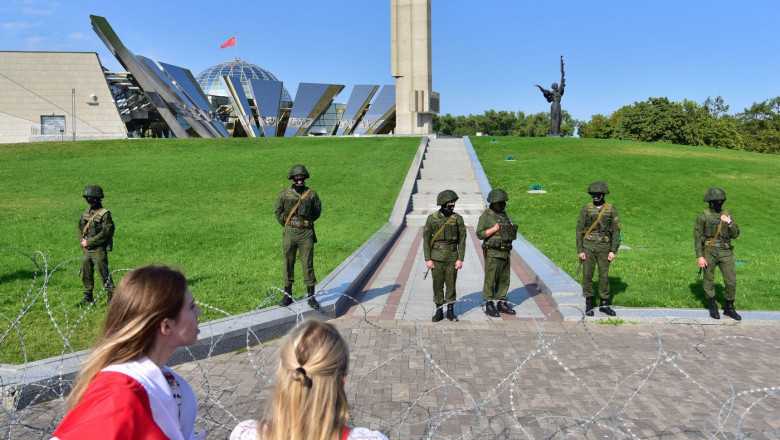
(719, 251)
(298, 235)
(496, 249)
(99, 236)
(448, 247)
(600, 241)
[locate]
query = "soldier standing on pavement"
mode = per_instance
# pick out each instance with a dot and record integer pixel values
(498, 232)
(296, 209)
(598, 240)
(712, 238)
(96, 237)
(444, 247)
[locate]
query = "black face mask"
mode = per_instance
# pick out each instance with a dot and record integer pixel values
(448, 208)
(498, 206)
(93, 202)
(298, 183)
(716, 205)
(598, 198)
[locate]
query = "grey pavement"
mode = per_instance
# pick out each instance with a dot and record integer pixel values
(547, 373)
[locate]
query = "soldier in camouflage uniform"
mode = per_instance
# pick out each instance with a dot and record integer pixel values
(96, 237)
(712, 239)
(498, 232)
(598, 240)
(296, 209)
(444, 247)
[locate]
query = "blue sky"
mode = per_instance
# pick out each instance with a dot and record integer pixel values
(486, 54)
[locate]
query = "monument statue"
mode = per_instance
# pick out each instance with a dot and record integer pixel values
(554, 97)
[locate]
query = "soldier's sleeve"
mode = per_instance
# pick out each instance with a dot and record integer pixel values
(581, 228)
(698, 231)
(279, 208)
(617, 226)
(462, 233)
(733, 229)
(316, 206)
(485, 222)
(426, 238)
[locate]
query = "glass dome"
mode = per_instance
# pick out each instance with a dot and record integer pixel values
(210, 83)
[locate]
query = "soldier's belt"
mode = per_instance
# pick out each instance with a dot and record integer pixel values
(597, 237)
(299, 224)
(501, 247)
(439, 246)
(718, 244)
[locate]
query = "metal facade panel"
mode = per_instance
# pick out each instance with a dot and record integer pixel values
(380, 112)
(268, 95)
(241, 105)
(358, 101)
(311, 100)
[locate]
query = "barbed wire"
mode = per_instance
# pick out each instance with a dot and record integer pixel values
(472, 379)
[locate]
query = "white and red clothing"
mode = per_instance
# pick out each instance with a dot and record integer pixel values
(133, 400)
(250, 430)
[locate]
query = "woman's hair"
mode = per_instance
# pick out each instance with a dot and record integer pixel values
(309, 401)
(143, 298)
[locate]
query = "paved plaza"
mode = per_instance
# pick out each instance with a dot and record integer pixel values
(547, 373)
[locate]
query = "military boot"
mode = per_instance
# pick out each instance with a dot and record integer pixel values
(88, 299)
(490, 310)
(288, 299)
(451, 313)
(589, 305)
(312, 300)
(605, 308)
(505, 307)
(730, 311)
(439, 315)
(714, 309)
(110, 294)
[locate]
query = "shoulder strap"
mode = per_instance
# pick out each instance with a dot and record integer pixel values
(717, 234)
(100, 211)
(345, 432)
(598, 219)
(295, 208)
(442, 228)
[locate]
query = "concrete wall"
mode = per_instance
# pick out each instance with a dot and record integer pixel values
(33, 84)
(410, 45)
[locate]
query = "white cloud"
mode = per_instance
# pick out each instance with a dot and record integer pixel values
(35, 11)
(76, 36)
(19, 25)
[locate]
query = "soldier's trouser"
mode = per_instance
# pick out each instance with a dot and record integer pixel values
(496, 279)
(300, 242)
(444, 273)
(723, 258)
(89, 260)
(596, 256)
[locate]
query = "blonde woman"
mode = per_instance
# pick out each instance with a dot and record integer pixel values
(125, 391)
(308, 402)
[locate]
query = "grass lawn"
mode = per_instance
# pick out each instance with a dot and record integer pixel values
(202, 205)
(658, 190)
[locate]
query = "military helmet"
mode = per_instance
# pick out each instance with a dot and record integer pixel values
(497, 195)
(598, 187)
(93, 191)
(297, 170)
(714, 194)
(446, 196)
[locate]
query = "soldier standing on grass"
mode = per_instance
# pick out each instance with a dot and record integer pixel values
(598, 240)
(296, 209)
(444, 247)
(712, 238)
(498, 233)
(96, 237)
